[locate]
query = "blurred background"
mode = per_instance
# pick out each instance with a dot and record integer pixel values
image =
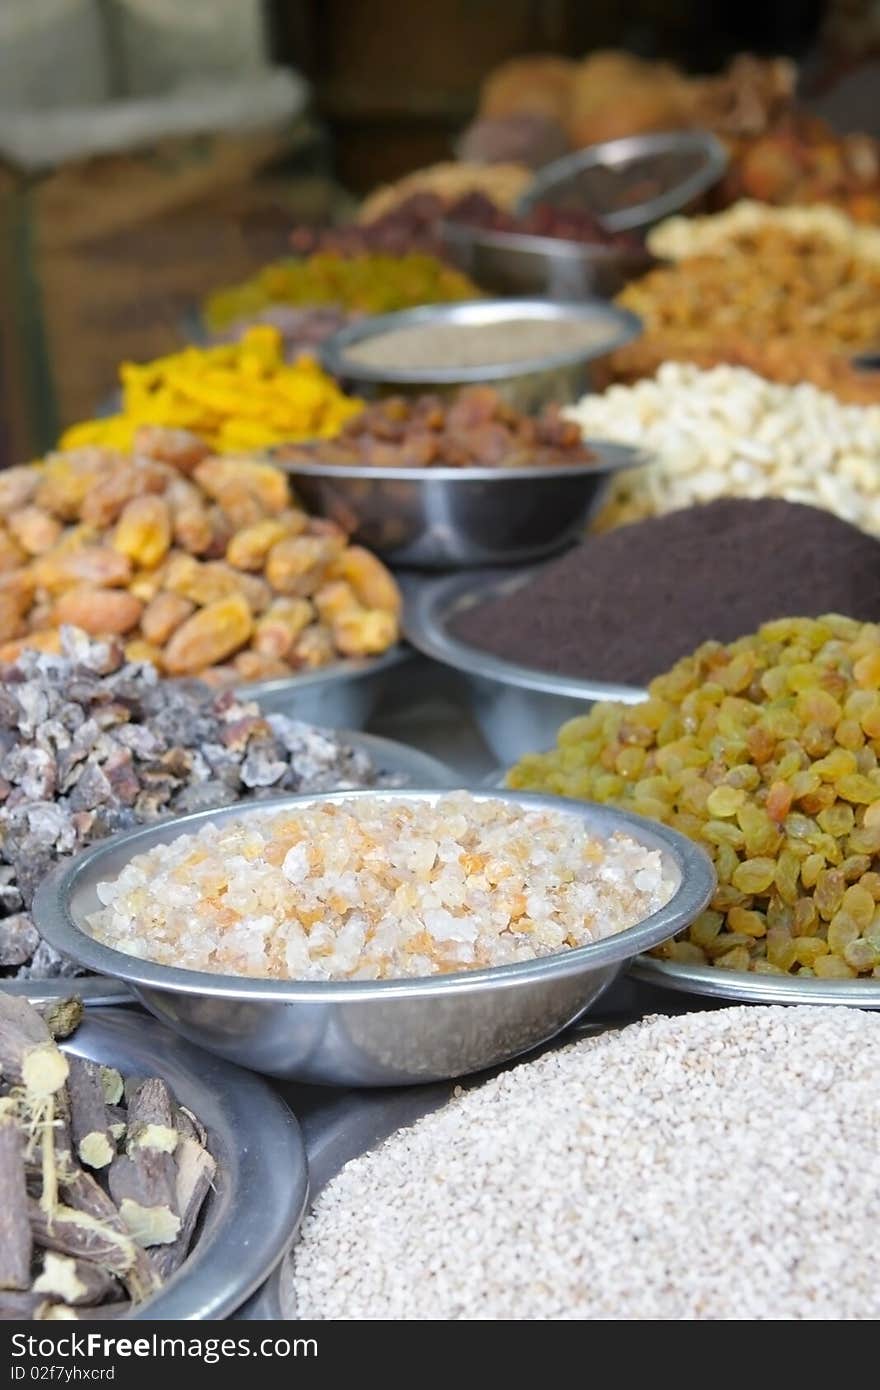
(153, 151)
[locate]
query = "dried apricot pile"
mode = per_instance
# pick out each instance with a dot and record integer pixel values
(203, 563)
(238, 396)
(766, 752)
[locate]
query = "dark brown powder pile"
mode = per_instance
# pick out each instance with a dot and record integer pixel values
(626, 605)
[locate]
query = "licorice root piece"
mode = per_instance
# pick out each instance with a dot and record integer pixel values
(83, 1236)
(22, 1307)
(28, 1054)
(190, 1126)
(16, 1243)
(95, 1145)
(195, 1175)
(143, 1187)
(83, 1193)
(58, 1312)
(117, 1121)
(151, 1118)
(75, 1282)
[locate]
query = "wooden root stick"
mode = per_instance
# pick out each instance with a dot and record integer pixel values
(28, 1054)
(16, 1245)
(85, 1237)
(195, 1174)
(95, 1145)
(75, 1281)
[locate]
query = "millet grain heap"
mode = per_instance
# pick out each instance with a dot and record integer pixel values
(91, 744)
(370, 889)
(718, 1165)
(626, 605)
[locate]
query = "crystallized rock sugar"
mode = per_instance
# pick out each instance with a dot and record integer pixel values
(719, 1165)
(376, 888)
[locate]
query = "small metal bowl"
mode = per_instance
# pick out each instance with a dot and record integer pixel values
(453, 518)
(372, 1033)
(260, 1190)
(523, 264)
(632, 183)
(527, 385)
(518, 709)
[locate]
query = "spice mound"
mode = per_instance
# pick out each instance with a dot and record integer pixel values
(102, 1179)
(237, 397)
(573, 1186)
(766, 752)
(204, 564)
(476, 429)
(376, 889)
(625, 605)
(729, 433)
(448, 346)
(369, 282)
(91, 744)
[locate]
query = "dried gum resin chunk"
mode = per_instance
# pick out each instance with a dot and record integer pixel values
(766, 752)
(378, 889)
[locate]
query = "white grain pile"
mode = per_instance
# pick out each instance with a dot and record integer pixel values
(719, 1165)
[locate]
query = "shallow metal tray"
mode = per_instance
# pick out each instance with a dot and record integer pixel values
(261, 1186)
(420, 769)
(518, 709)
(747, 988)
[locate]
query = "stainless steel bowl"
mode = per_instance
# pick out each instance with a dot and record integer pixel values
(341, 696)
(449, 518)
(524, 264)
(372, 1033)
(527, 385)
(631, 184)
(260, 1190)
(518, 709)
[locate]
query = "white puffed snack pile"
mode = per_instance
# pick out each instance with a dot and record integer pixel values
(718, 1165)
(374, 888)
(727, 432)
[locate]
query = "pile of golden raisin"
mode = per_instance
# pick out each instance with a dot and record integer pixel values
(766, 752)
(203, 564)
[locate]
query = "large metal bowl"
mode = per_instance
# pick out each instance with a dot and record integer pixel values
(523, 264)
(260, 1190)
(631, 184)
(528, 385)
(372, 1033)
(449, 518)
(518, 709)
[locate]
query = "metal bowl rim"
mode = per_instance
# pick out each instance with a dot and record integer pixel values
(332, 351)
(220, 1284)
(354, 668)
(552, 248)
(629, 147)
(696, 886)
(611, 458)
(711, 982)
(426, 612)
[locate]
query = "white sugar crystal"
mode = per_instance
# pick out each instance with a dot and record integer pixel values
(720, 1165)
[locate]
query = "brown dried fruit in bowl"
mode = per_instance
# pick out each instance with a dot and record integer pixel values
(99, 611)
(144, 531)
(209, 636)
(163, 615)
